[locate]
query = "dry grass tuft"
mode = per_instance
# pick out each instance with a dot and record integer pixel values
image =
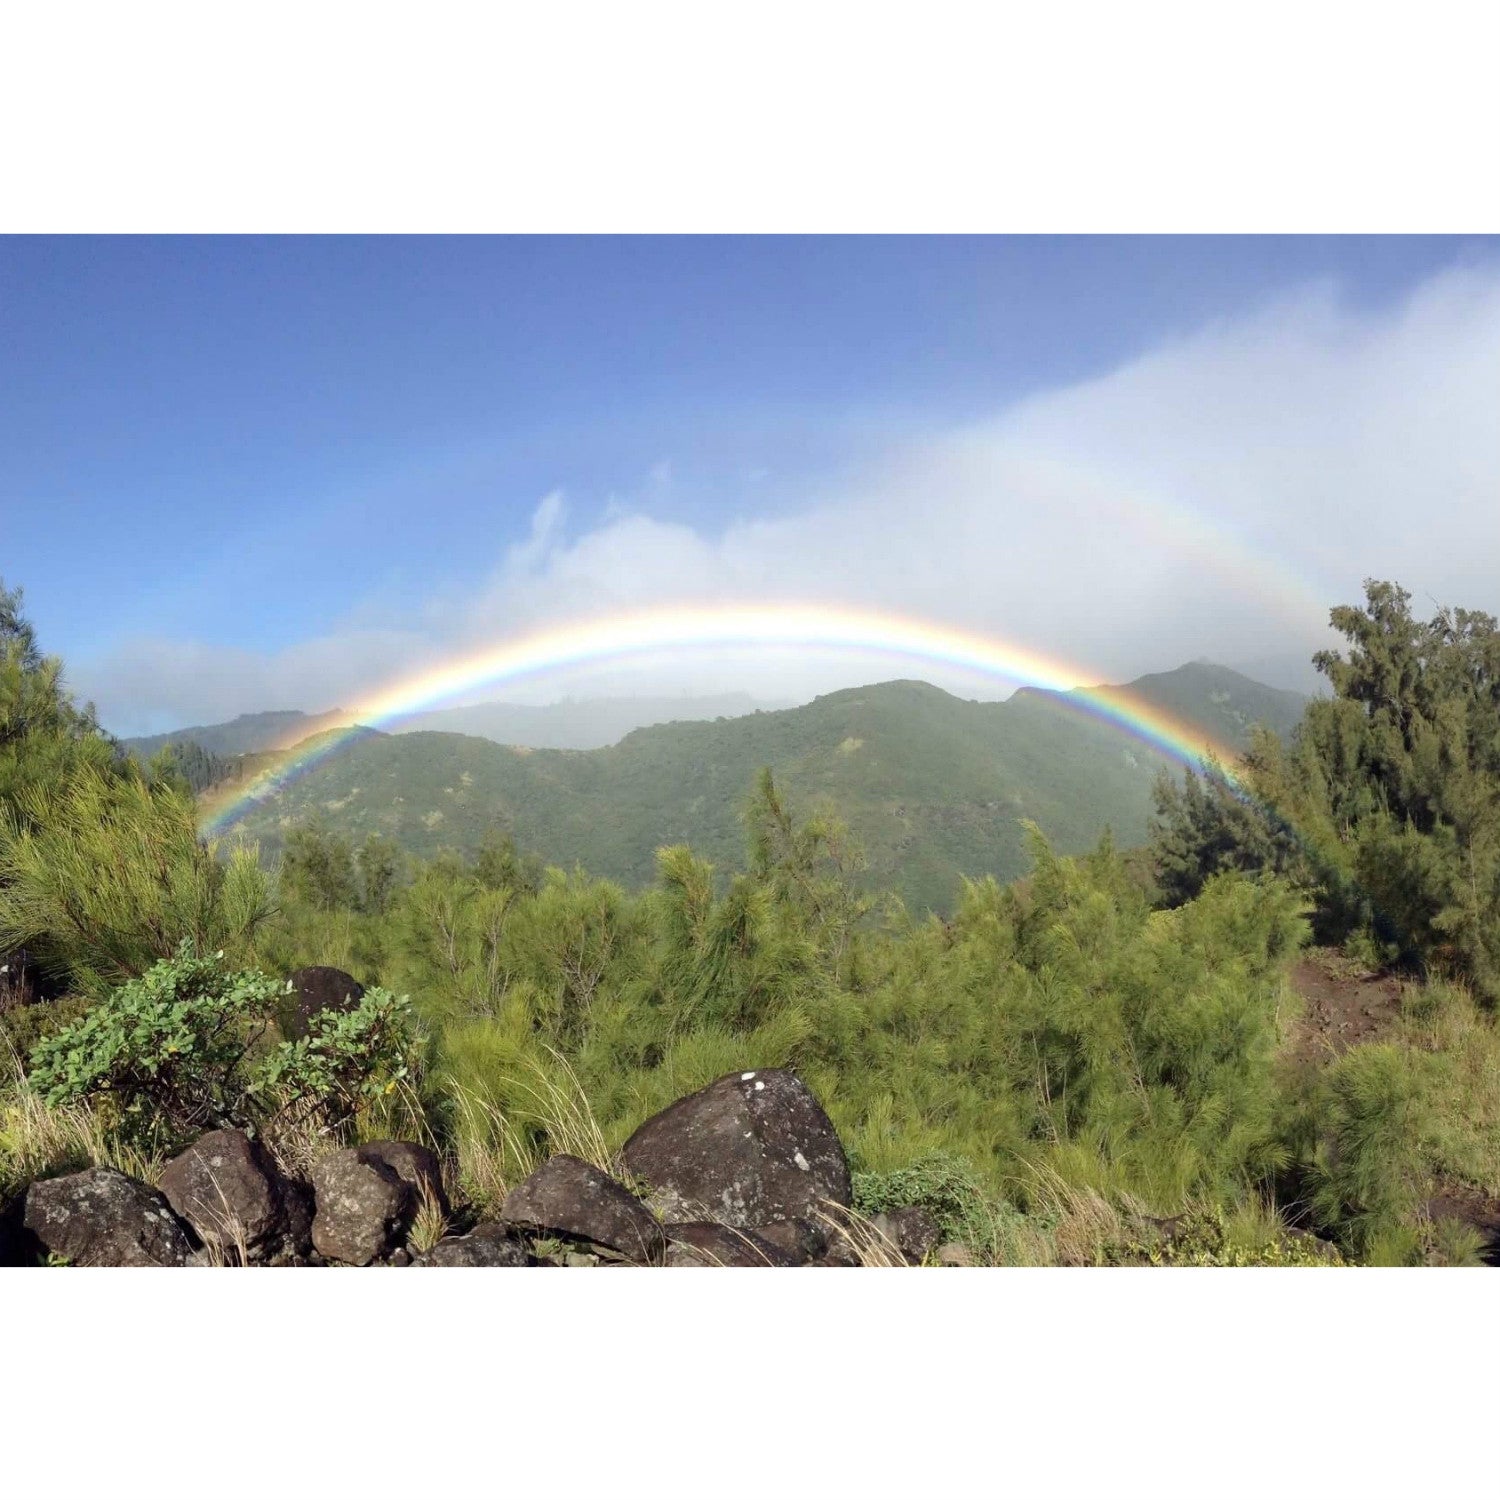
(562, 1109)
(494, 1153)
(860, 1236)
(1085, 1225)
(228, 1247)
(429, 1224)
(38, 1139)
(485, 1146)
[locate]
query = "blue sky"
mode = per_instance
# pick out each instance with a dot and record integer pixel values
(246, 445)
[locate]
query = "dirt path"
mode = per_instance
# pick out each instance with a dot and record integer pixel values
(1343, 1005)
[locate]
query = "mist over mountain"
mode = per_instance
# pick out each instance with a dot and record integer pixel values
(247, 734)
(584, 724)
(1222, 702)
(573, 724)
(1291, 671)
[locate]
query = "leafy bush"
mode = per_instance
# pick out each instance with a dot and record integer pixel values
(1205, 1237)
(38, 1139)
(345, 1059)
(189, 1046)
(23, 1027)
(947, 1186)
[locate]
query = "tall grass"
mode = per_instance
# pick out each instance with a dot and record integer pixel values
(496, 1147)
(38, 1139)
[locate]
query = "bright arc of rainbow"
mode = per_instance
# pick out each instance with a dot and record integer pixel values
(618, 636)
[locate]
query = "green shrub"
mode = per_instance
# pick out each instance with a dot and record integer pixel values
(347, 1058)
(189, 1046)
(1370, 1168)
(1204, 1237)
(22, 1028)
(948, 1187)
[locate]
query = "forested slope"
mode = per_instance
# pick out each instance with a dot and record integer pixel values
(932, 786)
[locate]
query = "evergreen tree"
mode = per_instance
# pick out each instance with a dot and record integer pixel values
(1392, 787)
(197, 769)
(317, 866)
(44, 738)
(378, 864)
(499, 865)
(1205, 825)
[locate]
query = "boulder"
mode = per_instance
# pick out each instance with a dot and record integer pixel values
(362, 1208)
(566, 1196)
(911, 1231)
(954, 1254)
(488, 1245)
(717, 1245)
(225, 1186)
(797, 1239)
(752, 1149)
(101, 1217)
(415, 1165)
(314, 989)
(843, 1236)
(20, 984)
(293, 1245)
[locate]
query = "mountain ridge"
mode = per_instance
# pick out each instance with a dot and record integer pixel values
(933, 786)
(572, 724)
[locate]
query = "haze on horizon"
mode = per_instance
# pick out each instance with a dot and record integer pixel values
(269, 474)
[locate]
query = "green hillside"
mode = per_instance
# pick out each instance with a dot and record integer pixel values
(932, 786)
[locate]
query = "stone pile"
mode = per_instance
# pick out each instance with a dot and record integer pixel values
(746, 1172)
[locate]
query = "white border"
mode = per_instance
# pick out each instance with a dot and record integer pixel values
(1071, 116)
(1148, 1383)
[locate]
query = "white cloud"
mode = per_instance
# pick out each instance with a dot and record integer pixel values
(1210, 498)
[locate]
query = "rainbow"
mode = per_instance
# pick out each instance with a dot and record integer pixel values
(620, 636)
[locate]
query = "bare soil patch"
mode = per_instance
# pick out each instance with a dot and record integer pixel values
(1344, 1005)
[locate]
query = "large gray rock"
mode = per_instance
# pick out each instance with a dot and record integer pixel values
(415, 1165)
(314, 989)
(569, 1197)
(362, 1208)
(488, 1245)
(226, 1187)
(797, 1239)
(912, 1231)
(102, 1218)
(751, 1149)
(717, 1245)
(954, 1254)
